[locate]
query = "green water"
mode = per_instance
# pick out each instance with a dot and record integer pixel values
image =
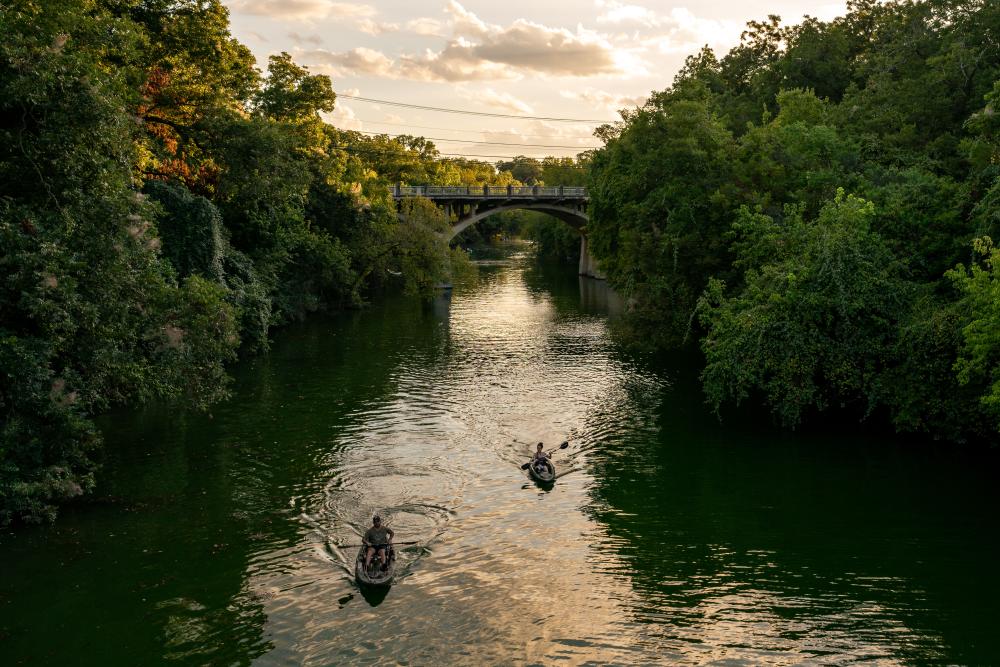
(669, 538)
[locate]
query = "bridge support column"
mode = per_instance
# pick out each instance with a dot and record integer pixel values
(588, 267)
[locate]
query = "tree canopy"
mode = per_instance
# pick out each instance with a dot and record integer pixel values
(163, 205)
(800, 204)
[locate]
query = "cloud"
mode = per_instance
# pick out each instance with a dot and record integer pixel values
(426, 26)
(504, 101)
(315, 40)
(604, 100)
(464, 22)
(618, 13)
(430, 66)
(456, 62)
(551, 134)
(479, 51)
(376, 28)
(530, 46)
(343, 117)
(678, 31)
(361, 60)
(302, 9)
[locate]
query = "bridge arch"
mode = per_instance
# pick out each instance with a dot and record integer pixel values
(470, 204)
(574, 217)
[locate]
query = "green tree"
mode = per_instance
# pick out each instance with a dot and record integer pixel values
(980, 305)
(420, 248)
(655, 223)
(816, 319)
(195, 242)
(186, 70)
(290, 93)
(91, 314)
(797, 158)
(526, 170)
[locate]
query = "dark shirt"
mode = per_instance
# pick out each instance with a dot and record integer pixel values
(377, 536)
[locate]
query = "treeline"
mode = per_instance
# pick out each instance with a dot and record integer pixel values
(553, 238)
(817, 207)
(163, 205)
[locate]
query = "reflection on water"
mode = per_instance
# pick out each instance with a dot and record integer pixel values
(669, 537)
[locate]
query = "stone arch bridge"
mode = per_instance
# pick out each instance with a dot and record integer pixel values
(467, 205)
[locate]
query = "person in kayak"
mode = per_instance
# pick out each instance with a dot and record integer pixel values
(540, 460)
(378, 538)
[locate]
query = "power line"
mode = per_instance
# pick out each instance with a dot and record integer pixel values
(351, 149)
(471, 113)
(452, 129)
(488, 143)
(413, 154)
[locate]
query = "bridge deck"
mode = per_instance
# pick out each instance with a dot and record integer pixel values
(453, 192)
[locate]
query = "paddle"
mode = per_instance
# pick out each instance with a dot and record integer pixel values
(562, 446)
(395, 544)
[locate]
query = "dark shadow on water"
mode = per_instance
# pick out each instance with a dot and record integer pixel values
(540, 486)
(803, 526)
(374, 595)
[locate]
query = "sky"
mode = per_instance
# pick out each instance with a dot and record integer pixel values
(567, 59)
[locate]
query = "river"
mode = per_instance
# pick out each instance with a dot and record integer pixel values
(669, 538)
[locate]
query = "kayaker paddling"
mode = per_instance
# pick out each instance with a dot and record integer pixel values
(378, 539)
(540, 465)
(541, 461)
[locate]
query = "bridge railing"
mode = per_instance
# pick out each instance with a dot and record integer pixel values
(489, 191)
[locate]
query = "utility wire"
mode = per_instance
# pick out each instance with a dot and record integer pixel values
(452, 129)
(471, 113)
(414, 154)
(469, 141)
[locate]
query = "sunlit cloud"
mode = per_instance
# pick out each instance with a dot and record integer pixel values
(542, 132)
(457, 62)
(510, 60)
(343, 117)
(359, 61)
(302, 9)
(600, 99)
(426, 26)
(531, 46)
(479, 51)
(501, 101)
(676, 31)
(315, 40)
(376, 28)
(454, 65)
(618, 13)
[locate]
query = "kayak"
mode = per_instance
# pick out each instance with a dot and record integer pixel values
(374, 575)
(545, 475)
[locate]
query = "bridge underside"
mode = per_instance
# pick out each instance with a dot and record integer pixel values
(574, 213)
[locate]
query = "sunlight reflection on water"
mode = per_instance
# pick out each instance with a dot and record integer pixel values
(511, 573)
(669, 537)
